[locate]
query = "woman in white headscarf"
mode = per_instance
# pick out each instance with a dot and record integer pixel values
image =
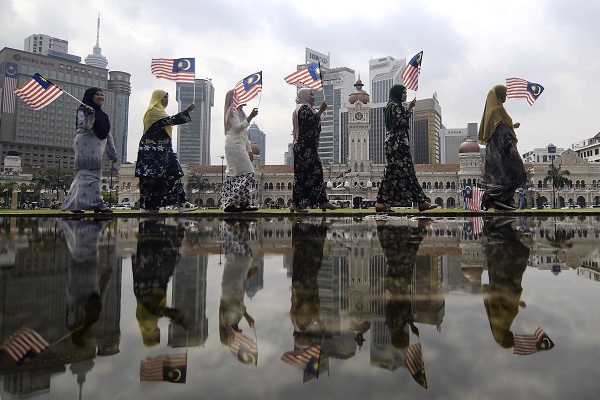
(235, 194)
(309, 186)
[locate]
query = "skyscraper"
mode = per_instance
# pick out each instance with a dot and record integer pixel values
(451, 139)
(96, 59)
(193, 142)
(425, 133)
(120, 82)
(258, 137)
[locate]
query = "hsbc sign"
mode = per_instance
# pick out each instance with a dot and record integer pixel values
(313, 56)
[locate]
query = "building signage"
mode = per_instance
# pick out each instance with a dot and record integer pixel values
(32, 60)
(313, 56)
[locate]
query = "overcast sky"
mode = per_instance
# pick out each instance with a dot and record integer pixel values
(469, 46)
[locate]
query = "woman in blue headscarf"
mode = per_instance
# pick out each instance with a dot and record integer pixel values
(399, 184)
(92, 140)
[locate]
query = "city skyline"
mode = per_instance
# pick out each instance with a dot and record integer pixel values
(468, 48)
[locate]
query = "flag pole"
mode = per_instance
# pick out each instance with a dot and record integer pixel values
(194, 99)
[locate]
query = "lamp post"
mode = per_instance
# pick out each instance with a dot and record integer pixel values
(112, 166)
(58, 179)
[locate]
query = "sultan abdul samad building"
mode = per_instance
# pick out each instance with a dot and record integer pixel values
(356, 182)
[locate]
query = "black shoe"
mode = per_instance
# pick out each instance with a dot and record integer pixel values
(232, 208)
(102, 211)
(77, 211)
(248, 208)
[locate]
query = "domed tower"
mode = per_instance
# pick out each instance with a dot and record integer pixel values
(469, 158)
(358, 125)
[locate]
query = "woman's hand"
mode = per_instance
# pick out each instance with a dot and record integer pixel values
(412, 104)
(191, 107)
(323, 107)
(518, 124)
(513, 152)
(253, 114)
(88, 110)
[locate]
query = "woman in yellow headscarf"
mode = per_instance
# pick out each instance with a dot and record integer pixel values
(503, 170)
(157, 166)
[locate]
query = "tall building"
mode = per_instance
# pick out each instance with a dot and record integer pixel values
(425, 133)
(193, 142)
(120, 82)
(96, 59)
(48, 46)
(384, 72)
(451, 139)
(358, 128)
(45, 137)
(258, 137)
(588, 148)
(288, 156)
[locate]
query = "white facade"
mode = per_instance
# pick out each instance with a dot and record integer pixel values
(40, 44)
(542, 154)
(588, 149)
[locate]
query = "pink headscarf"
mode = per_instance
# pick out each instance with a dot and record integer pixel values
(230, 110)
(302, 99)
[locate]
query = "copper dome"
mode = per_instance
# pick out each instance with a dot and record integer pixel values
(468, 146)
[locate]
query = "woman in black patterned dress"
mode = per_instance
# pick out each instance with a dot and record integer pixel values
(399, 183)
(157, 166)
(309, 186)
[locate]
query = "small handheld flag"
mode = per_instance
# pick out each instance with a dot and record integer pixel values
(415, 364)
(518, 88)
(529, 344)
(24, 345)
(307, 360)
(166, 367)
(242, 347)
(178, 69)
(307, 77)
(247, 89)
(410, 75)
(38, 92)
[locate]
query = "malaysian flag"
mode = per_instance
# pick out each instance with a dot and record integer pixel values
(473, 196)
(38, 92)
(307, 360)
(472, 226)
(415, 364)
(307, 77)
(410, 75)
(24, 345)
(165, 367)
(10, 83)
(242, 347)
(518, 88)
(247, 89)
(178, 69)
(529, 344)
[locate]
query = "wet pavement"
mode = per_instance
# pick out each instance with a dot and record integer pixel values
(299, 308)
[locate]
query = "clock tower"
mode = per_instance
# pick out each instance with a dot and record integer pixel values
(358, 126)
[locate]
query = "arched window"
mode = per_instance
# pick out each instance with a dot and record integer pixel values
(266, 186)
(452, 185)
(270, 185)
(277, 186)
(290, 186)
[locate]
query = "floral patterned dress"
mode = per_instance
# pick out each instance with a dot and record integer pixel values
(309, 186)
(157, 166)
(399, 184)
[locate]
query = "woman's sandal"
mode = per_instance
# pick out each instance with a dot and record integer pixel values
(328, 206)
(427, 206)
(186, 207)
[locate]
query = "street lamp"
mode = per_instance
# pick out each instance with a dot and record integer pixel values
(222, 171)
(58, 179)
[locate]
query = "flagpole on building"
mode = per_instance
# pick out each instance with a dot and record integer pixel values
(194, 99)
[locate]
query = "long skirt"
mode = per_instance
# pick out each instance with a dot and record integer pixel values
(85, 193)
(236, 190)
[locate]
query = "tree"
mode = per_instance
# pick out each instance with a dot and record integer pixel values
(47, 178)
(198, 182)
(558, 178)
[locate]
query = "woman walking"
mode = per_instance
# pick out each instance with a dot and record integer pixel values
(235, 194)
(157, 166)
(92, 140)
(399, 184)
(309, 186)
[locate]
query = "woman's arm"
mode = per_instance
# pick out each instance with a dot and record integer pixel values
(237, 123)
(85, 120)
(111, 150)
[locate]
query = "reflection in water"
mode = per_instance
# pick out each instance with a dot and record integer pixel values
(88, 282)
(237, 272)
(506, 258)
(153, 265)
(400, 245)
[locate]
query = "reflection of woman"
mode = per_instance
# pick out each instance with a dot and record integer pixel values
(157, 166)
(400, 245)
(399, 184)
(503, 171)
(236, 276)
(87, 283)
(506, 258)
(309, 186)
(92, 140)
(238, 150)
(153, 265)
(308, 239)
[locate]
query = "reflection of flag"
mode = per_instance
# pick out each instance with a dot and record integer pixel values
(529, 344)
(247, 89)
(23, 345)
(410, 75)
(10, 83)
(518, 88)
(165, 367)
(473, 226)
(38, 92)
(307, 77)
(242, 347)
(178, 69)
(415, 364)
(307, 360)
(473, 196)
